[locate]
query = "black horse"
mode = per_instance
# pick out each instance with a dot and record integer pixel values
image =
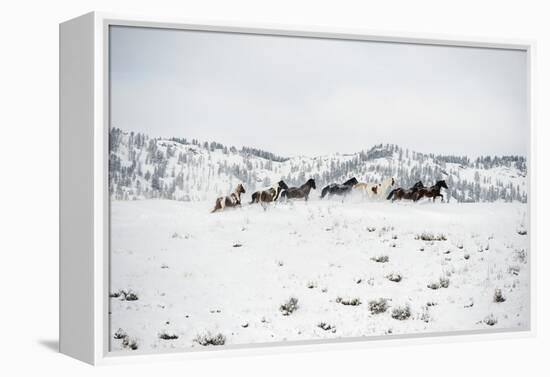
(339, 189)
(401, 193)
(269, 195)
(299, 192)
(431, 192)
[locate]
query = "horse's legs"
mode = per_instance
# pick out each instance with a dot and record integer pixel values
(216, 206)
(222, 203)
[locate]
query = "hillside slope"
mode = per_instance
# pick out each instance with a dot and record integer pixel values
(143, 167)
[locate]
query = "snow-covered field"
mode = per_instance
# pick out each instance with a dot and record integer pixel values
(194, 273)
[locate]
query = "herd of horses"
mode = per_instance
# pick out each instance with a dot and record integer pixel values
(282, 192)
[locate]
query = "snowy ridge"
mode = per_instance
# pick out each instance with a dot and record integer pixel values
(142, 167)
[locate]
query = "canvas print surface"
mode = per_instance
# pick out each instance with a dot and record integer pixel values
(270, 189)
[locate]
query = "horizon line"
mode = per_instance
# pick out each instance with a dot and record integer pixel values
(471, 158)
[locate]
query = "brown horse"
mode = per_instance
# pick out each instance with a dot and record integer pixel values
(269, 195)
(232, 200)
(401, 193)
(431, 192)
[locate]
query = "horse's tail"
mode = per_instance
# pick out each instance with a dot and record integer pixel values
(391, 194)
(324, 192)
(254, 196)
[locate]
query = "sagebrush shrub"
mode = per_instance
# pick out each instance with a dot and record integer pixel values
(168, 336)
(498, 296)
(289, 307)
(381, 259)
(490, 320)
(395, 277)
(326, 326)
(348, 301)
(434, 285)
(124, 295)
(210, 339)
(378, 306)
(425, 236)
(130, 343)
(311, 284)
(401, 313)
(131, 296)
(520, 255)
(120, 334)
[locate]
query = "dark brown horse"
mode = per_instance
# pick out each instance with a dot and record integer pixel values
(401, 193)
(232, 200)
(299, 192)
(339, 189)
(431, 192)
(269, 195)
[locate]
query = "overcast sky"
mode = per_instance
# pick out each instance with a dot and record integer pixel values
(303, 96)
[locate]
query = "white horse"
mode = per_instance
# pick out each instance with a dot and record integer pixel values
(375, 191)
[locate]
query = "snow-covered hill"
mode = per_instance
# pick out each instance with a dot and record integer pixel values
(181, 275)
(188, 170)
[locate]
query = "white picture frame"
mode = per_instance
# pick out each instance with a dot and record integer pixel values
(84, 196)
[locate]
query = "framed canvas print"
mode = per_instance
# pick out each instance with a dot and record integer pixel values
(242, 189)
